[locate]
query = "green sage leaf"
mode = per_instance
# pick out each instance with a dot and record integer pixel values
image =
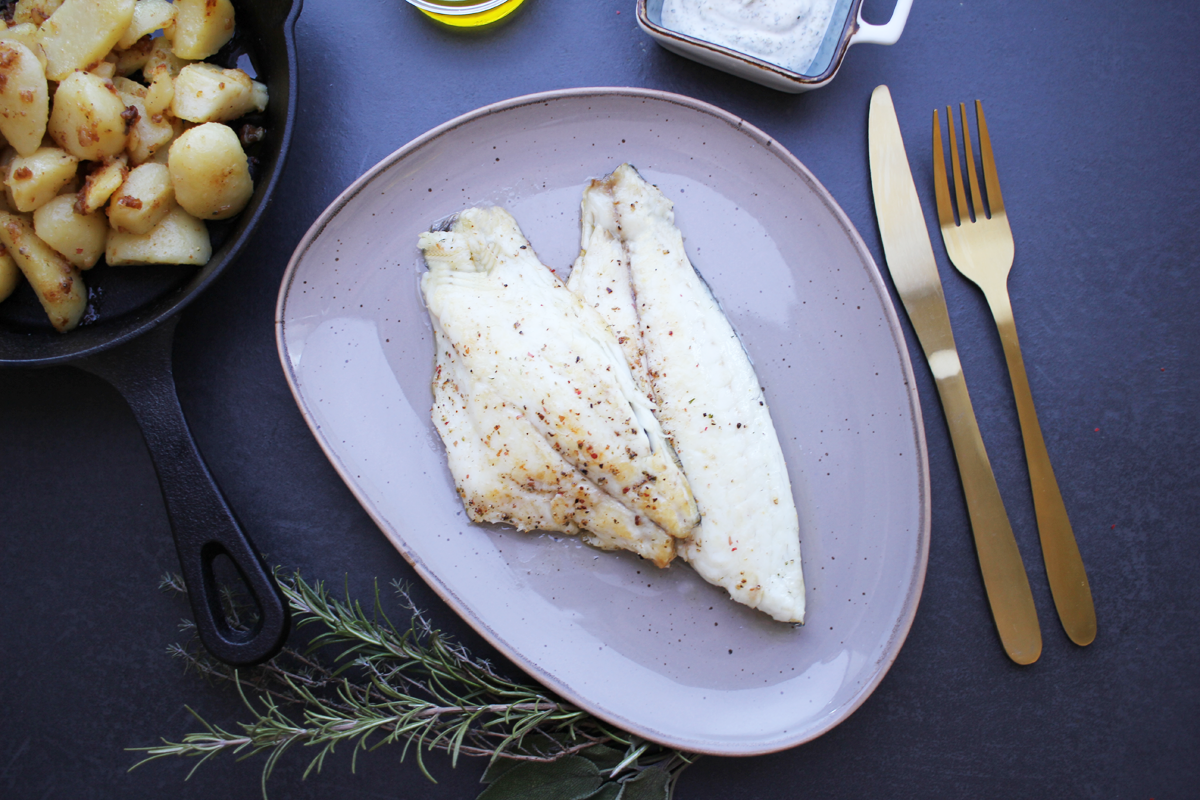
(569, 778)
(603, 756)
(651, 783)
(497, 768)
(609, 791)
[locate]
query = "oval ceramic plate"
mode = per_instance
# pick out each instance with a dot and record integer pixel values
(657, 652)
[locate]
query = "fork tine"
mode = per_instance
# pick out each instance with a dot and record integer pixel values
(995, 200)
(941, 189)
(969, 154)
(964, 215)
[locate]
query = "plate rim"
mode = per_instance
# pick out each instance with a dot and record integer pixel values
(904, 620)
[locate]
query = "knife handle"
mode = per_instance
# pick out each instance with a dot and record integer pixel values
(1004, 576)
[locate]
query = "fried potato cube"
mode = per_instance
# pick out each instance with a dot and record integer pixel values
(209, 172)
(179, 238)
(100, 185)
(27, 34)
(160, 94)
(56, 281)
(134, 58)
(34, 12)
(72, 186)
(151, 137)
(81, 32)
(163, 154)
(36, 179)
(143, 200)
(7, 156)
(79, 238)
(207, 93)
(24, 98)
(128, 88)
(87, 118)
(10, 275)
(107, 68)
(202, 27)
(148, 16)
(150, 132)
(162, 60)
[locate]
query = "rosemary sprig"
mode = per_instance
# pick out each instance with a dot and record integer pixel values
(361, 680)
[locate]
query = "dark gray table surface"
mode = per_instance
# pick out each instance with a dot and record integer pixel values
(1094, 111)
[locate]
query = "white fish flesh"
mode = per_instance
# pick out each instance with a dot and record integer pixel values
(543, 424)
(600, 276)
(708, 397)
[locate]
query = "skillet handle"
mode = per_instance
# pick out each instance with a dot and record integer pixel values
(203, 524)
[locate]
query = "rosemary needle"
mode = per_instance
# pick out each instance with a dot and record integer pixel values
(361, 680)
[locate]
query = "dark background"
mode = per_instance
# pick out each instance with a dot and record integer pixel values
(1093, 111)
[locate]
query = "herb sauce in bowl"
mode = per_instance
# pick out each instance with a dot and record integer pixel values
(787, 33)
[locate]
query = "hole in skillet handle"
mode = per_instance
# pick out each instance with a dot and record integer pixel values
(229, 617)
(240, 613)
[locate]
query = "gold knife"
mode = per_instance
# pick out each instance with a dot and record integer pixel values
(910, 260)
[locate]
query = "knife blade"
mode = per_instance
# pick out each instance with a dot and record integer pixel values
(909, 257)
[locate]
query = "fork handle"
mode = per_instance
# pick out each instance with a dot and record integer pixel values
(1000, 562)
(1064, 565)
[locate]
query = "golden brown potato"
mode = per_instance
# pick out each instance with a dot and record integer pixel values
(162, 154)
(162, 60)
(100, 184)
(34, 12)
(87, 118)
(10, 275)
(148, 16)
(160, 94)
(209, 171)
(106, 68)
(150, 132)
(143, 200)
(207, 93)
(57, 282)
(24, 99)
(27, 34)
(7, 156)
(150, 139)
(128, 89)
(64, 69)
(202, 27)
(81, 32)
(133, 59)
(35, 179)
(179, 238)
(72, 186)
(79, 238)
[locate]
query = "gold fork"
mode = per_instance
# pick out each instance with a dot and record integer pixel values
(981, 248)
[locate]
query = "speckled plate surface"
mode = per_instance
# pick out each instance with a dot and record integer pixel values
(658, 652)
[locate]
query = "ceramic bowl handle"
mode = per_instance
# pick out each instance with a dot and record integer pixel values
(888, 33)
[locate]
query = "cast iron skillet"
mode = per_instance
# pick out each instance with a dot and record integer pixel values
(126, 339)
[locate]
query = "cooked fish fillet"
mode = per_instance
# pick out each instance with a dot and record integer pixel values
(543, 423)
(709, 402)
(600, 277)
(505, 471)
